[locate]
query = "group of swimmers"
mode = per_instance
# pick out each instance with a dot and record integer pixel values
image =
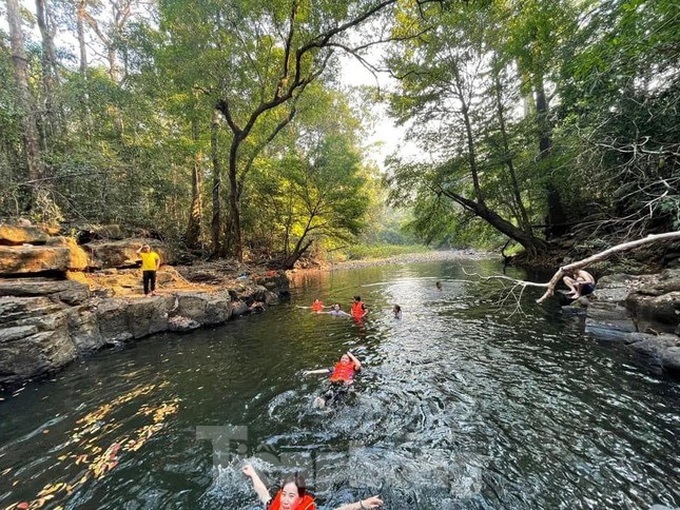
(358, 311)
(293, 494)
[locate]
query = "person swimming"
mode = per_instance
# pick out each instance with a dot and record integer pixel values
(336, 310)
(396, 310)
(293, 494)
(359, 309)
(341, 378)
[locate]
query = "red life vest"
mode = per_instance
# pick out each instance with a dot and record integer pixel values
(307, 503)
(343, 372)
(317, 306)
(357, 308)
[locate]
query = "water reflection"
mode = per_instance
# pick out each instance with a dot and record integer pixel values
(463, 403)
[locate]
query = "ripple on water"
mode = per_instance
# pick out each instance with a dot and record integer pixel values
(465, 403)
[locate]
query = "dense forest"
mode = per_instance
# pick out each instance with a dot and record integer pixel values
(227, 127)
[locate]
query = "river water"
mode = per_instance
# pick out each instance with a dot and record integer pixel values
(467, 402)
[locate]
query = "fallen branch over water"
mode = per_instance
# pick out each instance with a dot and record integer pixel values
(580, 264)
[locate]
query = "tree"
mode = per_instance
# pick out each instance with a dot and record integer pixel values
(620, 90)
(452, 86)
(255, 62)
(31, 147)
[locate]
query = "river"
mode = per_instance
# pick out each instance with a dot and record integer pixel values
(467, 402)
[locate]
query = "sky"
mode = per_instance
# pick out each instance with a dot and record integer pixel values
(386, 138)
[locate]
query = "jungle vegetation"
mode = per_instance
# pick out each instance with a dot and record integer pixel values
(226, 127)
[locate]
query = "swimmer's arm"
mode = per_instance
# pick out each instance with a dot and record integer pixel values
(357, 363)
(319, 371)
(372, 502)
(259, 486)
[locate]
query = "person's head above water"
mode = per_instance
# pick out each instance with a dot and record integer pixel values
(292, 491)
(357, 298)
(438, 285)
(345, 358)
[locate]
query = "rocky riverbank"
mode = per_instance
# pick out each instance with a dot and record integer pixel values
(60, 300)
(639, 312)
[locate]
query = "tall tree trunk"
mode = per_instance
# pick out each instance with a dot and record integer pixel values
(27, 115)
(82, 67)
(524, 222)
(80, 29)
(469, 136)
(556, 219)
(216, 222)
(193, 234)
(49, 69)
(235, 240)
(531, 244)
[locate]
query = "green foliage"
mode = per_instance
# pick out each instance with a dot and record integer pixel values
(381, 251)
(124, 149)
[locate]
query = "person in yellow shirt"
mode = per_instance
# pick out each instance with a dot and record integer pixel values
(150, 264)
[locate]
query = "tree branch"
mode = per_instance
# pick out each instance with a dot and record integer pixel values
(601, 256)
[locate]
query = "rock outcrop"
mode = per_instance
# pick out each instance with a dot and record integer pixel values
(50, 314)
(641, 312)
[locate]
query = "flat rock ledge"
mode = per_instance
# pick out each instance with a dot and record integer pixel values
(640, 312)
(45, 324)
(62, 297)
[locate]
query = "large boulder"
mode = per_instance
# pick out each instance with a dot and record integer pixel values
(84, 329)
(67, 291)
(34, 338)
(18, 235)
(117, 254)
(112, 316)
(204, 308)
(122, 319)
(78, 258)
(114, 254)
(149, 316)
(642, 312)
(16, 260)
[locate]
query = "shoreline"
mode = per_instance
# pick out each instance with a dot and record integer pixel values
(404, 258)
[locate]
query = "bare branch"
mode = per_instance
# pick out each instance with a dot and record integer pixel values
(603, 255)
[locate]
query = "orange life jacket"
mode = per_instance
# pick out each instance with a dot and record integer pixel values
(343, 372)
(307, 503)
(317, 306)
(357, 308)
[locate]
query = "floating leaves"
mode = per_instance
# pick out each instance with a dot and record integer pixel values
(97, 455)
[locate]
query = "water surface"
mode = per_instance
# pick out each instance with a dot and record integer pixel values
(468, 402)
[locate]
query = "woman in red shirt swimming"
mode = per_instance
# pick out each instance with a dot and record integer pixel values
(293, 495)
(341, 378)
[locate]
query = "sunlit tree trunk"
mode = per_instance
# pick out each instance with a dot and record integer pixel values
(193, 233)
(27, 115)
(80, 29)
(49, 69)
(216, 222)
